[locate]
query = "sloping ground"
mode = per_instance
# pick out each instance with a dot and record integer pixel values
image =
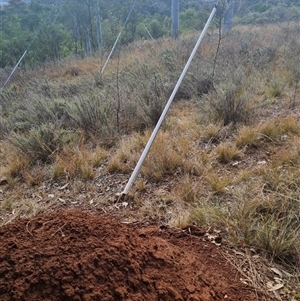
(77, 255)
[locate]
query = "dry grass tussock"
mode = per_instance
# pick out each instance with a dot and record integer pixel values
(78, 163)
(226, 157)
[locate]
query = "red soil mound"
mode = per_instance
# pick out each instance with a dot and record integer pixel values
(72, 255)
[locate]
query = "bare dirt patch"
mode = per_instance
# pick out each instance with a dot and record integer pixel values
(77, 255)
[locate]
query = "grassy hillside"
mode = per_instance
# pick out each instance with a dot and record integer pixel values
(227, 155)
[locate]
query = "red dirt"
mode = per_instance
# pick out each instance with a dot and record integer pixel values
(75, 255)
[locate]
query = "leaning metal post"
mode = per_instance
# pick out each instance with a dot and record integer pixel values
(156, 129)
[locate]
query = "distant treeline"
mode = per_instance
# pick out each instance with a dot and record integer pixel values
(53, 29)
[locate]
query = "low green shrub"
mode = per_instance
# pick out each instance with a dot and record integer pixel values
(39, 144)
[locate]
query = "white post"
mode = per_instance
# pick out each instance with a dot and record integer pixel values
(150, 35)
(155, 131)
(36, 34)
(15, 68)
(113, 48)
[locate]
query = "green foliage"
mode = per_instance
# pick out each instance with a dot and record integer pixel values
(94, 116)
(198, 80)
(153, 28)
(50, 45)
(36, 111)
(58, 31)
(4, 126)
(262, 13)
(150, 91)
(193, 19)
(156, 29)
(39, 144)
(8, 99)
(227, 104)
(272, 226)
(14, 39)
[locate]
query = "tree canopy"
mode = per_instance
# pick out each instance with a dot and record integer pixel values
(54, 29)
